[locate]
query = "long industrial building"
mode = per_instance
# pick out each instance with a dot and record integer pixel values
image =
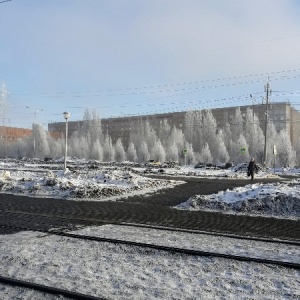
(282, 114)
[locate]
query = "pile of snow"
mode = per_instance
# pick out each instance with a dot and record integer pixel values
(276, 200)
(88, 180)
(231, 173)
(85, 184)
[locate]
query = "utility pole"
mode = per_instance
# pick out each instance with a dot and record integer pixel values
(268, 93)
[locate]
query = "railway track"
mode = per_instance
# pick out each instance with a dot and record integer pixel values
(169, 249)
(71, 223)
(47, 289)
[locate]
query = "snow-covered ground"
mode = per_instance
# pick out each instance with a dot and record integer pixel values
(122, 272)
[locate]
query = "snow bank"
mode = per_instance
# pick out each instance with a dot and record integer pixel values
(276, 200)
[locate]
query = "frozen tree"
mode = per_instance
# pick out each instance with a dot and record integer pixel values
(189, 121)
(227, 136)
(236, 125)
(297, 149)
(249, 129)
(74, 147)
(20, 148)
(198, 130)
(164, 132)
(239, 155)
(286, 156)
(95, 128)
(209, 133)
(143, 153)
(88, 131)
(190, 156)
(176, 136)
(136, 132)
(158, 151)
(172, 154)
(222, 155)
(120, 154)
(4, 106)
(56, 147)
(272, 139)
(97, 151)
(254, 136)
(142, 131)
(205, 154)
(131, 152)
(194, 129)
(108, 150)
(42, 148)
(150, 135)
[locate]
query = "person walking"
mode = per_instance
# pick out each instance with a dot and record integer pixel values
(251, 168)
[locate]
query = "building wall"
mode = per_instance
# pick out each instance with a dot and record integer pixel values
(282, 114)
(12, 134)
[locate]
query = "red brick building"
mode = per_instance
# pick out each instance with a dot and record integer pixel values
(12, 134)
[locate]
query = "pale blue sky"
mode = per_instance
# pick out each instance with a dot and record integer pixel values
(145, 56)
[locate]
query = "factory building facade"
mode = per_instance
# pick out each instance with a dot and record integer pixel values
(282, 114)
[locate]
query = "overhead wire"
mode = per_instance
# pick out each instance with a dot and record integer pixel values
(187, 104)
(60, 94)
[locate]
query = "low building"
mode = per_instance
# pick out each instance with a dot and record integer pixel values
(282, 114)
(13, 134)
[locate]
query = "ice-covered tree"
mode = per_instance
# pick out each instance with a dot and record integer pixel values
(20, 148)
(176, 136)
(189, 121)
(42, 148)
(131, 152)
(108, 150)
(227, 136)
(236, 125)
(254, 136)
(222, 153)
(190, 155)
(205, 154)
(210, 134)
(239, 155)
(173, 152)
(272, 139)
(97, 151)
(120, 154)
(56, 148)
(158, 152)
(143, 152)
(164, 132)
(193, 129)
(286, 156)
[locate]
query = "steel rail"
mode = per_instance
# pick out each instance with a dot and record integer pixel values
(166, 248)
(47, 289)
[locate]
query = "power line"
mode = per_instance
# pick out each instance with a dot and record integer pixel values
(60, 94)
(5, 1)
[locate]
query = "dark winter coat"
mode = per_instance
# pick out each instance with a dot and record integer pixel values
(251, 166)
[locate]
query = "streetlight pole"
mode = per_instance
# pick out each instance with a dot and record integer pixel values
(268, 93)
(66, 116)
(34, 127)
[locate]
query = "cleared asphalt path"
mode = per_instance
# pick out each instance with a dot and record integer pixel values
(150, 209)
